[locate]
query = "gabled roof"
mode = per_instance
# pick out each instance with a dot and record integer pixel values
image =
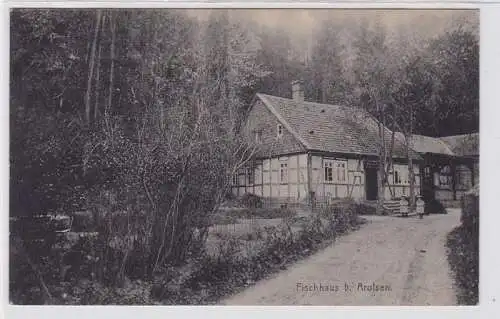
(455, 145)
(332, 128)
(463, 145)
(426, 144)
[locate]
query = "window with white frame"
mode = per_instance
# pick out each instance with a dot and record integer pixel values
(280, 130)
(335, 171)
(445, 177)
(341, 167)
(283, 173)
(235, 179)
(401, 175)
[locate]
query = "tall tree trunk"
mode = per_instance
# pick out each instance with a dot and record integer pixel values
(411, 176)
(391, 151)
(91, 67)
(97, 82)
(411, 173)
(381, 176)
(381, 171)
(112, 25)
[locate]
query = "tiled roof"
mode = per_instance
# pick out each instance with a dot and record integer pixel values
(427, 144)
(332, 128)
(463, 145)
(455, 145)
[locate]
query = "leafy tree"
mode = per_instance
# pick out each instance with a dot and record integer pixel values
(455, 61)
(328, 82)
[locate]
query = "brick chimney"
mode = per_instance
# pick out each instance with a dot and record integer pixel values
(297, 91)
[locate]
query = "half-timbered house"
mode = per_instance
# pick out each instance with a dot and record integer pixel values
(312, 150)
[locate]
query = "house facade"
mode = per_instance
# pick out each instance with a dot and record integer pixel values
(319, 151)
(450, 165)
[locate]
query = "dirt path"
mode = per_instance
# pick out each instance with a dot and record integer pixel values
(390, 261)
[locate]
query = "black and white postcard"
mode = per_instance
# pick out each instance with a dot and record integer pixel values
(287, 157)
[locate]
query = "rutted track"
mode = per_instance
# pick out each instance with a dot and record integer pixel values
(403, 259)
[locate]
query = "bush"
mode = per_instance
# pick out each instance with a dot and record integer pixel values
(470, 211)
(434, 206)
(273, 213)
(358, 207)
(344, 214)
(267, 213)
(463, 257)
(463, 250)
(251, 201)
(222, 219)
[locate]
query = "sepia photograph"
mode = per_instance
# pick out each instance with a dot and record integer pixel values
(321, 157)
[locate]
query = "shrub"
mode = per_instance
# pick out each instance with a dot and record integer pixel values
(252, 236)
(434, 206)
(267, 213)
(224, 219)
(251, 201)
(273, 213)
(358, 207)
(463, 257)
(463, 250)
(344, 214)
(470, 210)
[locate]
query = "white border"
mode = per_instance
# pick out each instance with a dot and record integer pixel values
(361, 4)
(489, 173)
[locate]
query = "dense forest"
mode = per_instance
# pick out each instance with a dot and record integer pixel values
(139, 110)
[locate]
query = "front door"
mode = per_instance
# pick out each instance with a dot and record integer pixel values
(427, 189)
(371, 184)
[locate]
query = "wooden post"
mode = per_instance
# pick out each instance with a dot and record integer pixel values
(262, 178)
(252, 168)
(298, 176)
(309, 176)
(323, 172)
(270, 179)
(288, 178)
(472, 173)
(453, 179)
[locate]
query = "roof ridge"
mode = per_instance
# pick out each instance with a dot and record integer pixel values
(308, 102)
(283, 121)
(459, 135)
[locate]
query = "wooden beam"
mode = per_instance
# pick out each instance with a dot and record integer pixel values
(288, 176)
(309, 176)
(298, 175)
(262, 178)
(322, 171)
(453, 179)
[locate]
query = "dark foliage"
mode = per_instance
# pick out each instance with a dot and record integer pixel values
(267, 213)
(463, 250)
(434, 206)
(251, 201)
(463, 256)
